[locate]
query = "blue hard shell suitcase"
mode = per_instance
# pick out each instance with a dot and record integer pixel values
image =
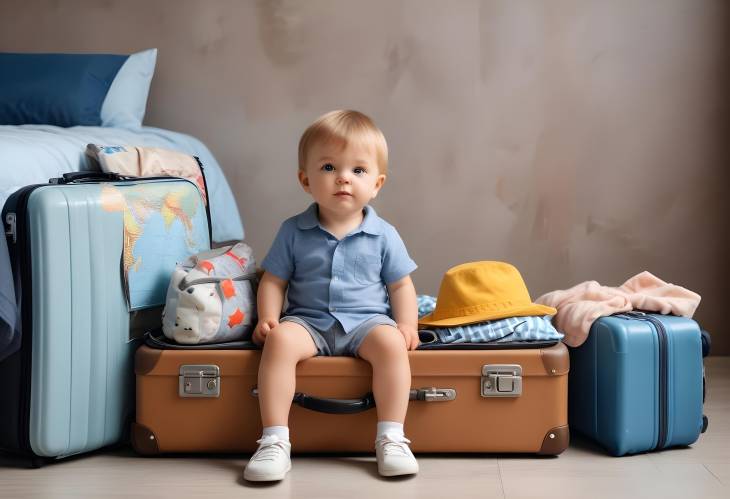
(69, 389)
(636, 384)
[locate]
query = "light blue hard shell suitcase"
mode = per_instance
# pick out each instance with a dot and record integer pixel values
(636, 384)
(69, 389)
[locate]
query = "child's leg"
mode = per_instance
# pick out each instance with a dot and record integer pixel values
(385, 349)
(285, 346)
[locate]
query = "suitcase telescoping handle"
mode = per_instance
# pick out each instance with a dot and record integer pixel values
(353, 406)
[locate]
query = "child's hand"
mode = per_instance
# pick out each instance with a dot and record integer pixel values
(410, 335)
(262, 329)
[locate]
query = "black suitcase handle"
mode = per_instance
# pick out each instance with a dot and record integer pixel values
(97, 176)
(335, 406)
(70, 177)
(330, 406)
(353, 406)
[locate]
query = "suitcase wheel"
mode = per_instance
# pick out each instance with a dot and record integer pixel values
(36, 462)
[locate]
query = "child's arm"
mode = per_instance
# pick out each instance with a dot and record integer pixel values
(405, 309)
(269, 301)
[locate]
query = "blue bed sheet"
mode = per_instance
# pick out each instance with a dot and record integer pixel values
(32, 154)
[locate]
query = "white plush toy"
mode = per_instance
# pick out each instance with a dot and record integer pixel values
(198, 310)
(211, 297)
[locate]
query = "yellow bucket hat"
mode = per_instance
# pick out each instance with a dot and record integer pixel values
(479, 292)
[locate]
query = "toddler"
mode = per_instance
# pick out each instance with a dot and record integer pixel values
(346, 275)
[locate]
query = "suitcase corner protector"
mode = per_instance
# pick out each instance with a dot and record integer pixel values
(556, 359)
(144, 440)
(556, 441)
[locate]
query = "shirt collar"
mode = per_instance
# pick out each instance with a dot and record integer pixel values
(371, 223)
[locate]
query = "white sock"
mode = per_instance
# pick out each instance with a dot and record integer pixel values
(391, 428)
(282, 432)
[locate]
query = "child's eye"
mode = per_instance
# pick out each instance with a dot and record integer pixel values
(359, 170)
(328, 167)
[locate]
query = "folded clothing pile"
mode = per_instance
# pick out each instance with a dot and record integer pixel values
(484, 302)
(578, 307)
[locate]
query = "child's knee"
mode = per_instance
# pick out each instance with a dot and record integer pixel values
(385, 341)
(290, 340)
(277, 339)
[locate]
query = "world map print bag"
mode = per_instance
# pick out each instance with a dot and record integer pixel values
(212, 297)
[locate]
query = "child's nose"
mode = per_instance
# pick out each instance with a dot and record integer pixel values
(342, 178)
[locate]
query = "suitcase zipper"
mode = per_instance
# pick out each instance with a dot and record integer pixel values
(207, 199)
(663, 382)
(19, 259)
(663, 422)
(26, 368)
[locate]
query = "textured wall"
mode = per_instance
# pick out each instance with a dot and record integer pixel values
(576, 139)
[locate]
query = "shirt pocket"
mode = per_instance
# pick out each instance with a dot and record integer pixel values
(367, 269)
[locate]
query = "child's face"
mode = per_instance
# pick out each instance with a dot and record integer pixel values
(342, 179)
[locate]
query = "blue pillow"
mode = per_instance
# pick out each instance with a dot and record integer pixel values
(75, 89)
(126, 100)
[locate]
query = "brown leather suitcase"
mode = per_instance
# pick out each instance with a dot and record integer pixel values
(462, 400)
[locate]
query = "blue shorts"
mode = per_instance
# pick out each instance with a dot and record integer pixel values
(335, 341)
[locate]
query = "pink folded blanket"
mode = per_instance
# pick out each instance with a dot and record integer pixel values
(582, 304)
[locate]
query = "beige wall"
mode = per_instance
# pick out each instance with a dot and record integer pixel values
(576, 139)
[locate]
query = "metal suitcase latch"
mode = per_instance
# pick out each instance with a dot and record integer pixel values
(501, 380)
(12, 226)
(200, 381)
(433, 394)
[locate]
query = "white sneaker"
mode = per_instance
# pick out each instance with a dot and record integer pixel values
(394, 456)
(270, 461)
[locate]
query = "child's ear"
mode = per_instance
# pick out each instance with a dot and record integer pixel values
(379, 184)
(304, 180)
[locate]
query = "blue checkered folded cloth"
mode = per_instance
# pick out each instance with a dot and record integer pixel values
(530, 328)
(426, 304)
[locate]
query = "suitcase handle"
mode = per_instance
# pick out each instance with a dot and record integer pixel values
(67, 178)
(335, 406)
(353, 406)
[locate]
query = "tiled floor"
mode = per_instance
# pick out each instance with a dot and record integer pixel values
(583, 471)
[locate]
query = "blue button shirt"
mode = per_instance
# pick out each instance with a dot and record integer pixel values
(331, 279)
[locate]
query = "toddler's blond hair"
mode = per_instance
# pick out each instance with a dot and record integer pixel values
(345, 127)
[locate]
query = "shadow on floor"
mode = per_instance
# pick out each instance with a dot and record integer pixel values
(235, 462)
